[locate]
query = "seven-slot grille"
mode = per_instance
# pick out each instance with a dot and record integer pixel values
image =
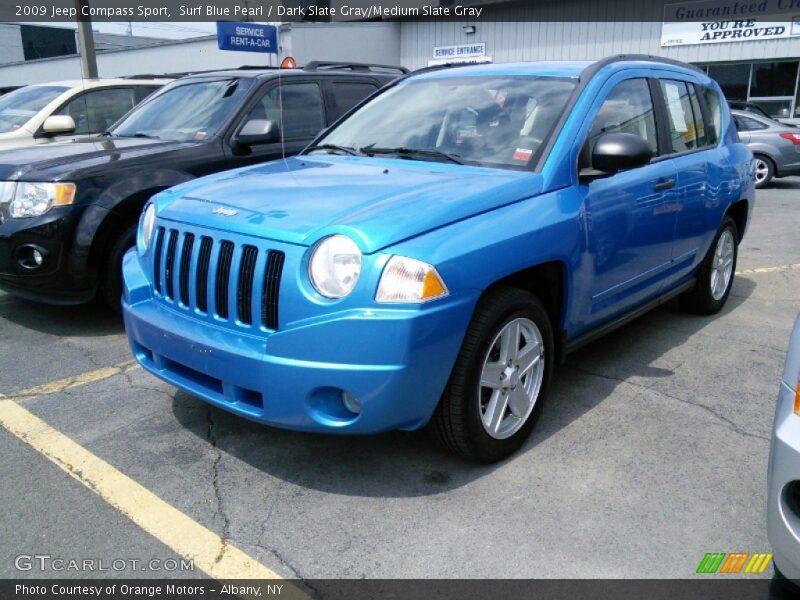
(215, 266)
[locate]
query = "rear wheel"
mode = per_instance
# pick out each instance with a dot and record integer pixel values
(764, 170)
(111, 283)
(498, 384)
(715, 277)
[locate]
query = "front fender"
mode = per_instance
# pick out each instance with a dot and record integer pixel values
(112, 205)
(475, 253)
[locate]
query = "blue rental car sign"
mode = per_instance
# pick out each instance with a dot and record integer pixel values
(247, 37)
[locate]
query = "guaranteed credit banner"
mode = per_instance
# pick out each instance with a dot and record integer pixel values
(721, 21)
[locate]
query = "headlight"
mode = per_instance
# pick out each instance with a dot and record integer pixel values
(35, 199)
(409, 280)
(335, 266)
(146, 227)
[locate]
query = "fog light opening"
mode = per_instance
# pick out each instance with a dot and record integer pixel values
(31, 257)
(351, 403)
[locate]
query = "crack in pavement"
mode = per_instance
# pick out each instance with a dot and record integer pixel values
(730, 424)
(211, 436)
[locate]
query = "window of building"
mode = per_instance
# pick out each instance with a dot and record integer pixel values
(733, 79)
(773, 79)
(627, 109)
(683, 132)
(777, 109)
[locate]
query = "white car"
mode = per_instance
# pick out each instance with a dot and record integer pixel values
(64, 110)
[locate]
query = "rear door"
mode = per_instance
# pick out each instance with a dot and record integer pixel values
(629, 232)
(346, 92)
(705, 176)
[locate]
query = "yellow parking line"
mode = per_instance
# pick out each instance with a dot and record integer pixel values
(208, 551)
(768, 269)
(55, 387)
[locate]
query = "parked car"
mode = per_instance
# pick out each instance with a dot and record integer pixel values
(783, 505)
(68, 212)
(431, 257)
(775, 146)
(64, 110)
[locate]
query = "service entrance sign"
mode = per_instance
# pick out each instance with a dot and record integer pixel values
(247, 37)
(721, 21)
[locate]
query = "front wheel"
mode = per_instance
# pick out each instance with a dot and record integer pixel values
(498, 384)
(111, 283)
(715, 277)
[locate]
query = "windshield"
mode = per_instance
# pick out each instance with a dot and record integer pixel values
(185, 111)
(487, 121)
(19, 106)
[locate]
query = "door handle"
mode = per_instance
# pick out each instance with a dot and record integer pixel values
(664, 185)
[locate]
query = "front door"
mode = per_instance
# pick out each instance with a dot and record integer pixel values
(629, 227)
(299, 111)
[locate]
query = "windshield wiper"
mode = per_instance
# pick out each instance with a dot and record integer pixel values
(139, 134)
(336, 147)
(412, 152)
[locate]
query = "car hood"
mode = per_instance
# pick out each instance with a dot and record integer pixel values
(376, 201)
(56, 161)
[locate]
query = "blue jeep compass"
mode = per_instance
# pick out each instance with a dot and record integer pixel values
(430, 257)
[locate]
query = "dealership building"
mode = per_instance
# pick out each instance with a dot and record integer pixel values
(751, 47)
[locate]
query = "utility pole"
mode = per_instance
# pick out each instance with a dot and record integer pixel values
(86, 42)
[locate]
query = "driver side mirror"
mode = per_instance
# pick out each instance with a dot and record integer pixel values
(58, 124)
(256, 132)
(614, 152)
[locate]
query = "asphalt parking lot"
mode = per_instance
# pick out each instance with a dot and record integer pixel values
(651, 452)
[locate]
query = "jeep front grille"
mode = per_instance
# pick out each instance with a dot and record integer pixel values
(228, 277)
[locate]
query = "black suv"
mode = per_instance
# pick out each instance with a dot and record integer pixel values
(69, 212)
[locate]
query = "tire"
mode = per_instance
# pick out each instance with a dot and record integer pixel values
(705, 298)
(458, 422)
(111, 282)
(764, 170)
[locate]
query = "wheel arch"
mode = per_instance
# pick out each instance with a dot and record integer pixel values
(739, 212)
(548, 282)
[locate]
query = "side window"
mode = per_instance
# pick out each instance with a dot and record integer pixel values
(715, 114)
(748, 124)
(296, 107)
(627, 109)
(683, 132)
(350, 93)
(699, 124)
(96, 110)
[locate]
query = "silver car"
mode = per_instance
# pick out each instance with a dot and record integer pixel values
(783, 508)
(775, 146)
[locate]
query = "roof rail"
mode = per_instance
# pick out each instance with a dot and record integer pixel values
(254, 68)
(320, 65)
(166, 75)
(448, 65)
(594, 67)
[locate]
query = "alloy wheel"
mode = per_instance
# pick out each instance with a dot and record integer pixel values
(511, 378)
(722, 265)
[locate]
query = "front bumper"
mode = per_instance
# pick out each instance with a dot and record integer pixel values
(783, 509)
(56, 281)
(395, 361)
